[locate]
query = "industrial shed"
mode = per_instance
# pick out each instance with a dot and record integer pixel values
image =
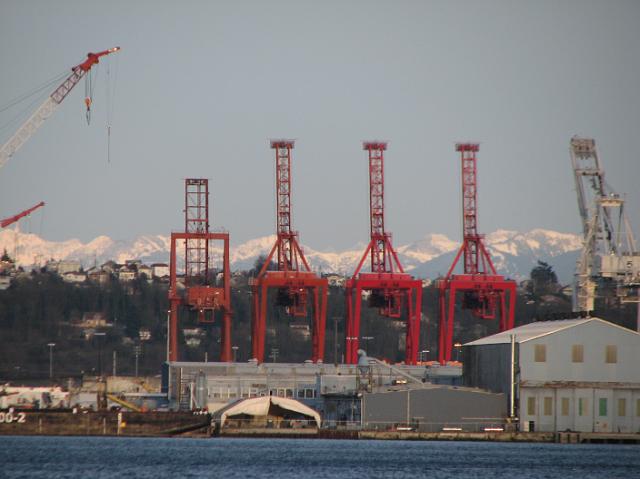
(267, 411)
(577, 375)
(433, 408)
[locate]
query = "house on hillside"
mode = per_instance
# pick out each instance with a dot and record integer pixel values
(160, 270)
(98, 275)
(577, 374)
(146, 270)
(127, 273)
(74, 277)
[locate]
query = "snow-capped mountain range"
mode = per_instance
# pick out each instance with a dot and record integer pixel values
(513, 253)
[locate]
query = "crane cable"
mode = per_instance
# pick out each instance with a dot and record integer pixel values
(111, 95)
(89, 84)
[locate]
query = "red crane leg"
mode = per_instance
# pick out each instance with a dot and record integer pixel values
(225, 338)
(322, 322)
(512, 306)
(349, 327)
(355, 338)
(255, 312)
(442, 326)
(315, 340)
(416, 333)
(262, 334)
(173, 333)
(410, 338)
(503, 312)
(450, 314)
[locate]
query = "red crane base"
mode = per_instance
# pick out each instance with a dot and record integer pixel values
(300, 283)
(489, 289)
(390, 285)
(203, 299)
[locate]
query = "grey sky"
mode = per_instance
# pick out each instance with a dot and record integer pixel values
(202, 86)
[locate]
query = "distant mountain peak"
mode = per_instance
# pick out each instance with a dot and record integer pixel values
(504, 245)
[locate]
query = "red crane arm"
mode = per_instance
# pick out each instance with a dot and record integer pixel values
(12, 219)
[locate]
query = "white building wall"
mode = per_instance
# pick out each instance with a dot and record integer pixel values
(589, 409)
(594, 336)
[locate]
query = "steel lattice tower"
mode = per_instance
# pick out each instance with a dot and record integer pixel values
(387, 281)
(484, 291)
(201, 292)
(293, 280)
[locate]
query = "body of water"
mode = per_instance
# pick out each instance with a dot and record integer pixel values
(111, 457)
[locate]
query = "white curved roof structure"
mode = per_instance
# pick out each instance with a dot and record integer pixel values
(260, 406)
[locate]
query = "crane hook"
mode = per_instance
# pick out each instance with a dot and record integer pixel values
(87, 101)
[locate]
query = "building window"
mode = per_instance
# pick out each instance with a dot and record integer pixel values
(548, 406)
(622, 407)
(564, 406)
(582, 406)
(602, 407)
(577, 353)
(531, 406)
(611, 354)
(540, 353)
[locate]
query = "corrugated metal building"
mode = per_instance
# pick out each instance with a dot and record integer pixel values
(578, 375)
(433, 408)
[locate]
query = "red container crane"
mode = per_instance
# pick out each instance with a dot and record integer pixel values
(293, 278)
(484, 291)
(387, 281)
(198, 289)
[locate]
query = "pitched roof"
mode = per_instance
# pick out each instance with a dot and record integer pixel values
(537, 329)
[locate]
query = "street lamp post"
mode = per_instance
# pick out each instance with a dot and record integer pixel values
(457, 346)
(51, 345)
(137, 351)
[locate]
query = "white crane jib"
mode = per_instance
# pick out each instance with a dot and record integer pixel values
(44, 111)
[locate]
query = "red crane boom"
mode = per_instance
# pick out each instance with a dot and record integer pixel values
(12, 219)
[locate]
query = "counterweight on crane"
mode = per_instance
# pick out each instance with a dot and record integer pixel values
(609, 251)
(387, 282)
(45, 110)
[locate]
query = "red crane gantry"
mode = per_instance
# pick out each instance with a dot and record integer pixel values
(202, 291)
(387, 281)
(484, 290)
(293, 278)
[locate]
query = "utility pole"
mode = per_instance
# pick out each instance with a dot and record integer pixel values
(136, 352)
(51, 345)
(335, 340)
